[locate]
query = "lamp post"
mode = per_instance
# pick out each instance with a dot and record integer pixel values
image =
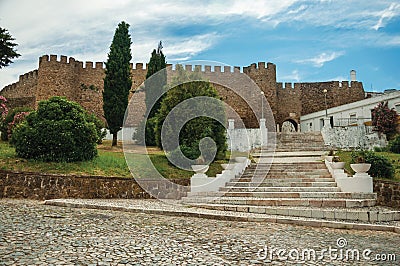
(262, 105)
(326, 106)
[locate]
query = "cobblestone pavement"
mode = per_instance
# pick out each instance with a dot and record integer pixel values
(35, 234)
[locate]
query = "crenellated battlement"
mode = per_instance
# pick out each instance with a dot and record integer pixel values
(62, 59)
(51, 59)
(66, 76)
(27, 78)
(329, 85)
(287, 86)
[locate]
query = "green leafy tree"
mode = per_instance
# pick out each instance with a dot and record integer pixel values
(384, 119)
(154, 88)
(118, 81)
(7, 48)
(58, 131)
(100, 127)
(196, 129)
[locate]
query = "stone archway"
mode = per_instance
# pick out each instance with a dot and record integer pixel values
(289, 126)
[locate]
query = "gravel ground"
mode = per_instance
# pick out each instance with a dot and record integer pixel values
(35, 234)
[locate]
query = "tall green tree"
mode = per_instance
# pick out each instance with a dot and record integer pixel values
(7, 48)
(118, 81)
(384, 119)
(184, 87)
(156, 79)
(154, 87)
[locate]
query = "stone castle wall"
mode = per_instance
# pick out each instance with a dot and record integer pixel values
(83, 83)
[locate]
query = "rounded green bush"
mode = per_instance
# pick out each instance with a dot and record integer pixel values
(380, 165)
(178, 158)
(394, 145)
(60, 130)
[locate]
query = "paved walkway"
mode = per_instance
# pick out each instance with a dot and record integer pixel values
(35, 234)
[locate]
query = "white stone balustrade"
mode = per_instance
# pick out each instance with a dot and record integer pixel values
(360, 182)
(200, 182)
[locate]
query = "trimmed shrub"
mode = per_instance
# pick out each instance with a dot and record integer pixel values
(380, 149)
(380, 165)
(394, 145)
(58, 131)
(188, 152)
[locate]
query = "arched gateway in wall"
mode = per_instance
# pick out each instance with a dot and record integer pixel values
(289, 126)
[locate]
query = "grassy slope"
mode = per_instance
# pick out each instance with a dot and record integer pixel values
(110, 162)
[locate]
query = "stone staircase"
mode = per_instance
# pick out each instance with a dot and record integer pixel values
(292, 182)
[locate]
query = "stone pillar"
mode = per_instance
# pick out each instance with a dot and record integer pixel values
(277, 128)
(231, 124)
(327, 122)
(264, 132)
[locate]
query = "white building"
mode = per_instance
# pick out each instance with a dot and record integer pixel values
(349, 114)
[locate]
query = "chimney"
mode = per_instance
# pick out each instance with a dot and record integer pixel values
(353, 75)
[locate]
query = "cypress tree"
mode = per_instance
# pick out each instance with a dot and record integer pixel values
(154, 88)
(7, 48)
(118, 81)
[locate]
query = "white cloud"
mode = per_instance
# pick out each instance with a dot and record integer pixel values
(321, 59)
(84, 29)
(293, 76)
(188, 47)
(387, 14)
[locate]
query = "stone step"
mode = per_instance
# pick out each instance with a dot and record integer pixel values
(286, 154)
(288, 172)
(297, 142)
(280, 178)
(304, 146)
(270, 183)
(280, 189)
(282, 169)
(205, 194)
(299, 149)
(301, 195)
(305, 202)
(363, 215)
(294, 164)
(307, 159)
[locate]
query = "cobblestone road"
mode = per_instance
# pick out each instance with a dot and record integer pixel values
(35, 234)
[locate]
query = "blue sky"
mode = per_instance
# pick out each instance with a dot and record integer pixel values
(307, 40)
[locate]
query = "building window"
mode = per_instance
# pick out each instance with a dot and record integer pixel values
(353, 119)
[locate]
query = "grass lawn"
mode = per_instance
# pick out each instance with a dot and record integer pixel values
(394, 158)
(110, 162)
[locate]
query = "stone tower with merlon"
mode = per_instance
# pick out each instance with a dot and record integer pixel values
(83, 83)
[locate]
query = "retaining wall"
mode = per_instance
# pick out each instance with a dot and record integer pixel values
(51, 186)
(388, 193)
